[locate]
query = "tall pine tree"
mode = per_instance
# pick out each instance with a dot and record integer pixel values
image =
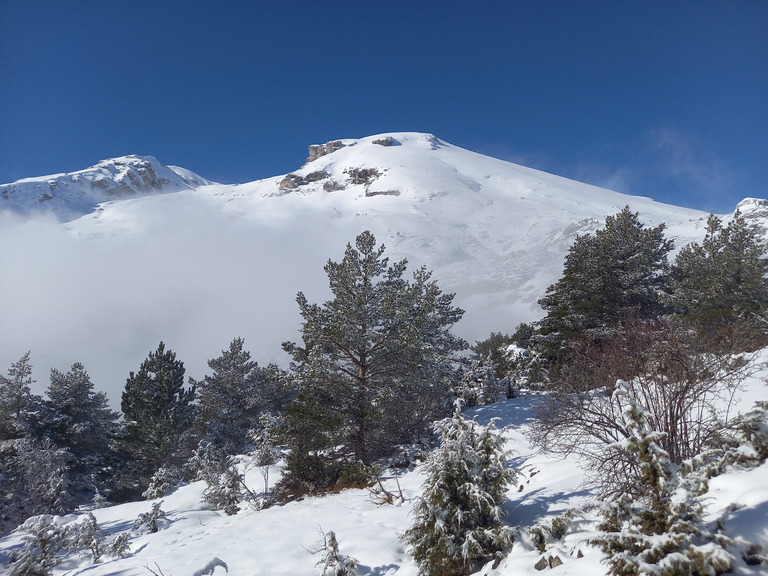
(375, 366)
(722, 281)
(78, 418)
(157, 412)
(617, 273)
(19, 408)
(231, 399)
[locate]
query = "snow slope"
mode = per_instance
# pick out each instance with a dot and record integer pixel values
(199, 267)
(275, 541)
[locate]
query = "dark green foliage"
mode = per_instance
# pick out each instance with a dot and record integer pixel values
(375, 366)
(458, 524)
(722, 281)
(34, 479)
(617, 273)
(79, 420)
(19, 408)
(493, 346)
(158, 411)
(231, 399)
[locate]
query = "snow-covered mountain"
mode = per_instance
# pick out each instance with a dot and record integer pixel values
(73, 194)
(196, 264)
(205, 264)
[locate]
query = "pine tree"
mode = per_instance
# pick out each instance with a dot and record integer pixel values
(158, 410)
(479, 385)
(34, 479)
(618, 272)
(722, 281)
(231, 399)
(375, 366)
(458, 523)
(19, 408)
(80, 421)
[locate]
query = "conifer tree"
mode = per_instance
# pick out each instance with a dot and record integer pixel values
(158, 411)
(375, 365)
(618, 272)
(662, 531)
(19, 408)
(231, 399)
(722, 281)
(78, 419)
(458, 523)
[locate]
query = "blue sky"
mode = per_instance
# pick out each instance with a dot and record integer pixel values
(661, 99)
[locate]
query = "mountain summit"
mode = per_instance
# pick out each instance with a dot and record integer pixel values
(74, 194)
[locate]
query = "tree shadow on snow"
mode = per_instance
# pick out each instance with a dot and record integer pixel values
(514, 412)
(529, 508)
(377, 570)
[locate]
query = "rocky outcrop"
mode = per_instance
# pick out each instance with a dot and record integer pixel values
(293, 181)
(362, 175)
(319, 150)
(388, 141)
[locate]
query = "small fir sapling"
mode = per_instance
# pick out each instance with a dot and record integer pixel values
(458, 523)
(46, 541)
(332, 562)
(150, 521)
(266, 454)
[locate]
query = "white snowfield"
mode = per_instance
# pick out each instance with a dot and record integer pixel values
(199, 267)
(276, 541)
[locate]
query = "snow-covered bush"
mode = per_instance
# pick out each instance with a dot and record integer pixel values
(479, 385)
(163, 482)
(332, 562)
(685, 392)
(526, 369)
(150, 521)
(661, 532)
(46, 540)
(458, 521)
(87, 535)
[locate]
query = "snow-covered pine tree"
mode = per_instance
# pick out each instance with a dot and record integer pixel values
(661, 532)
(79, 420)
(18, 406)
(332, 562)
(479, 385)
(76, 417)
(375, 367)
(158, 410)
(46, 541)
(232, 397)
(266, 454)
(458, 523)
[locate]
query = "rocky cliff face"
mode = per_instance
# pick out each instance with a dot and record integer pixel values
(73, 194)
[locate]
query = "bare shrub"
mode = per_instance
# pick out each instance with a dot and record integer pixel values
(687, 395)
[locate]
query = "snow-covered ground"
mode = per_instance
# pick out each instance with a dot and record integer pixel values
(275, 541)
